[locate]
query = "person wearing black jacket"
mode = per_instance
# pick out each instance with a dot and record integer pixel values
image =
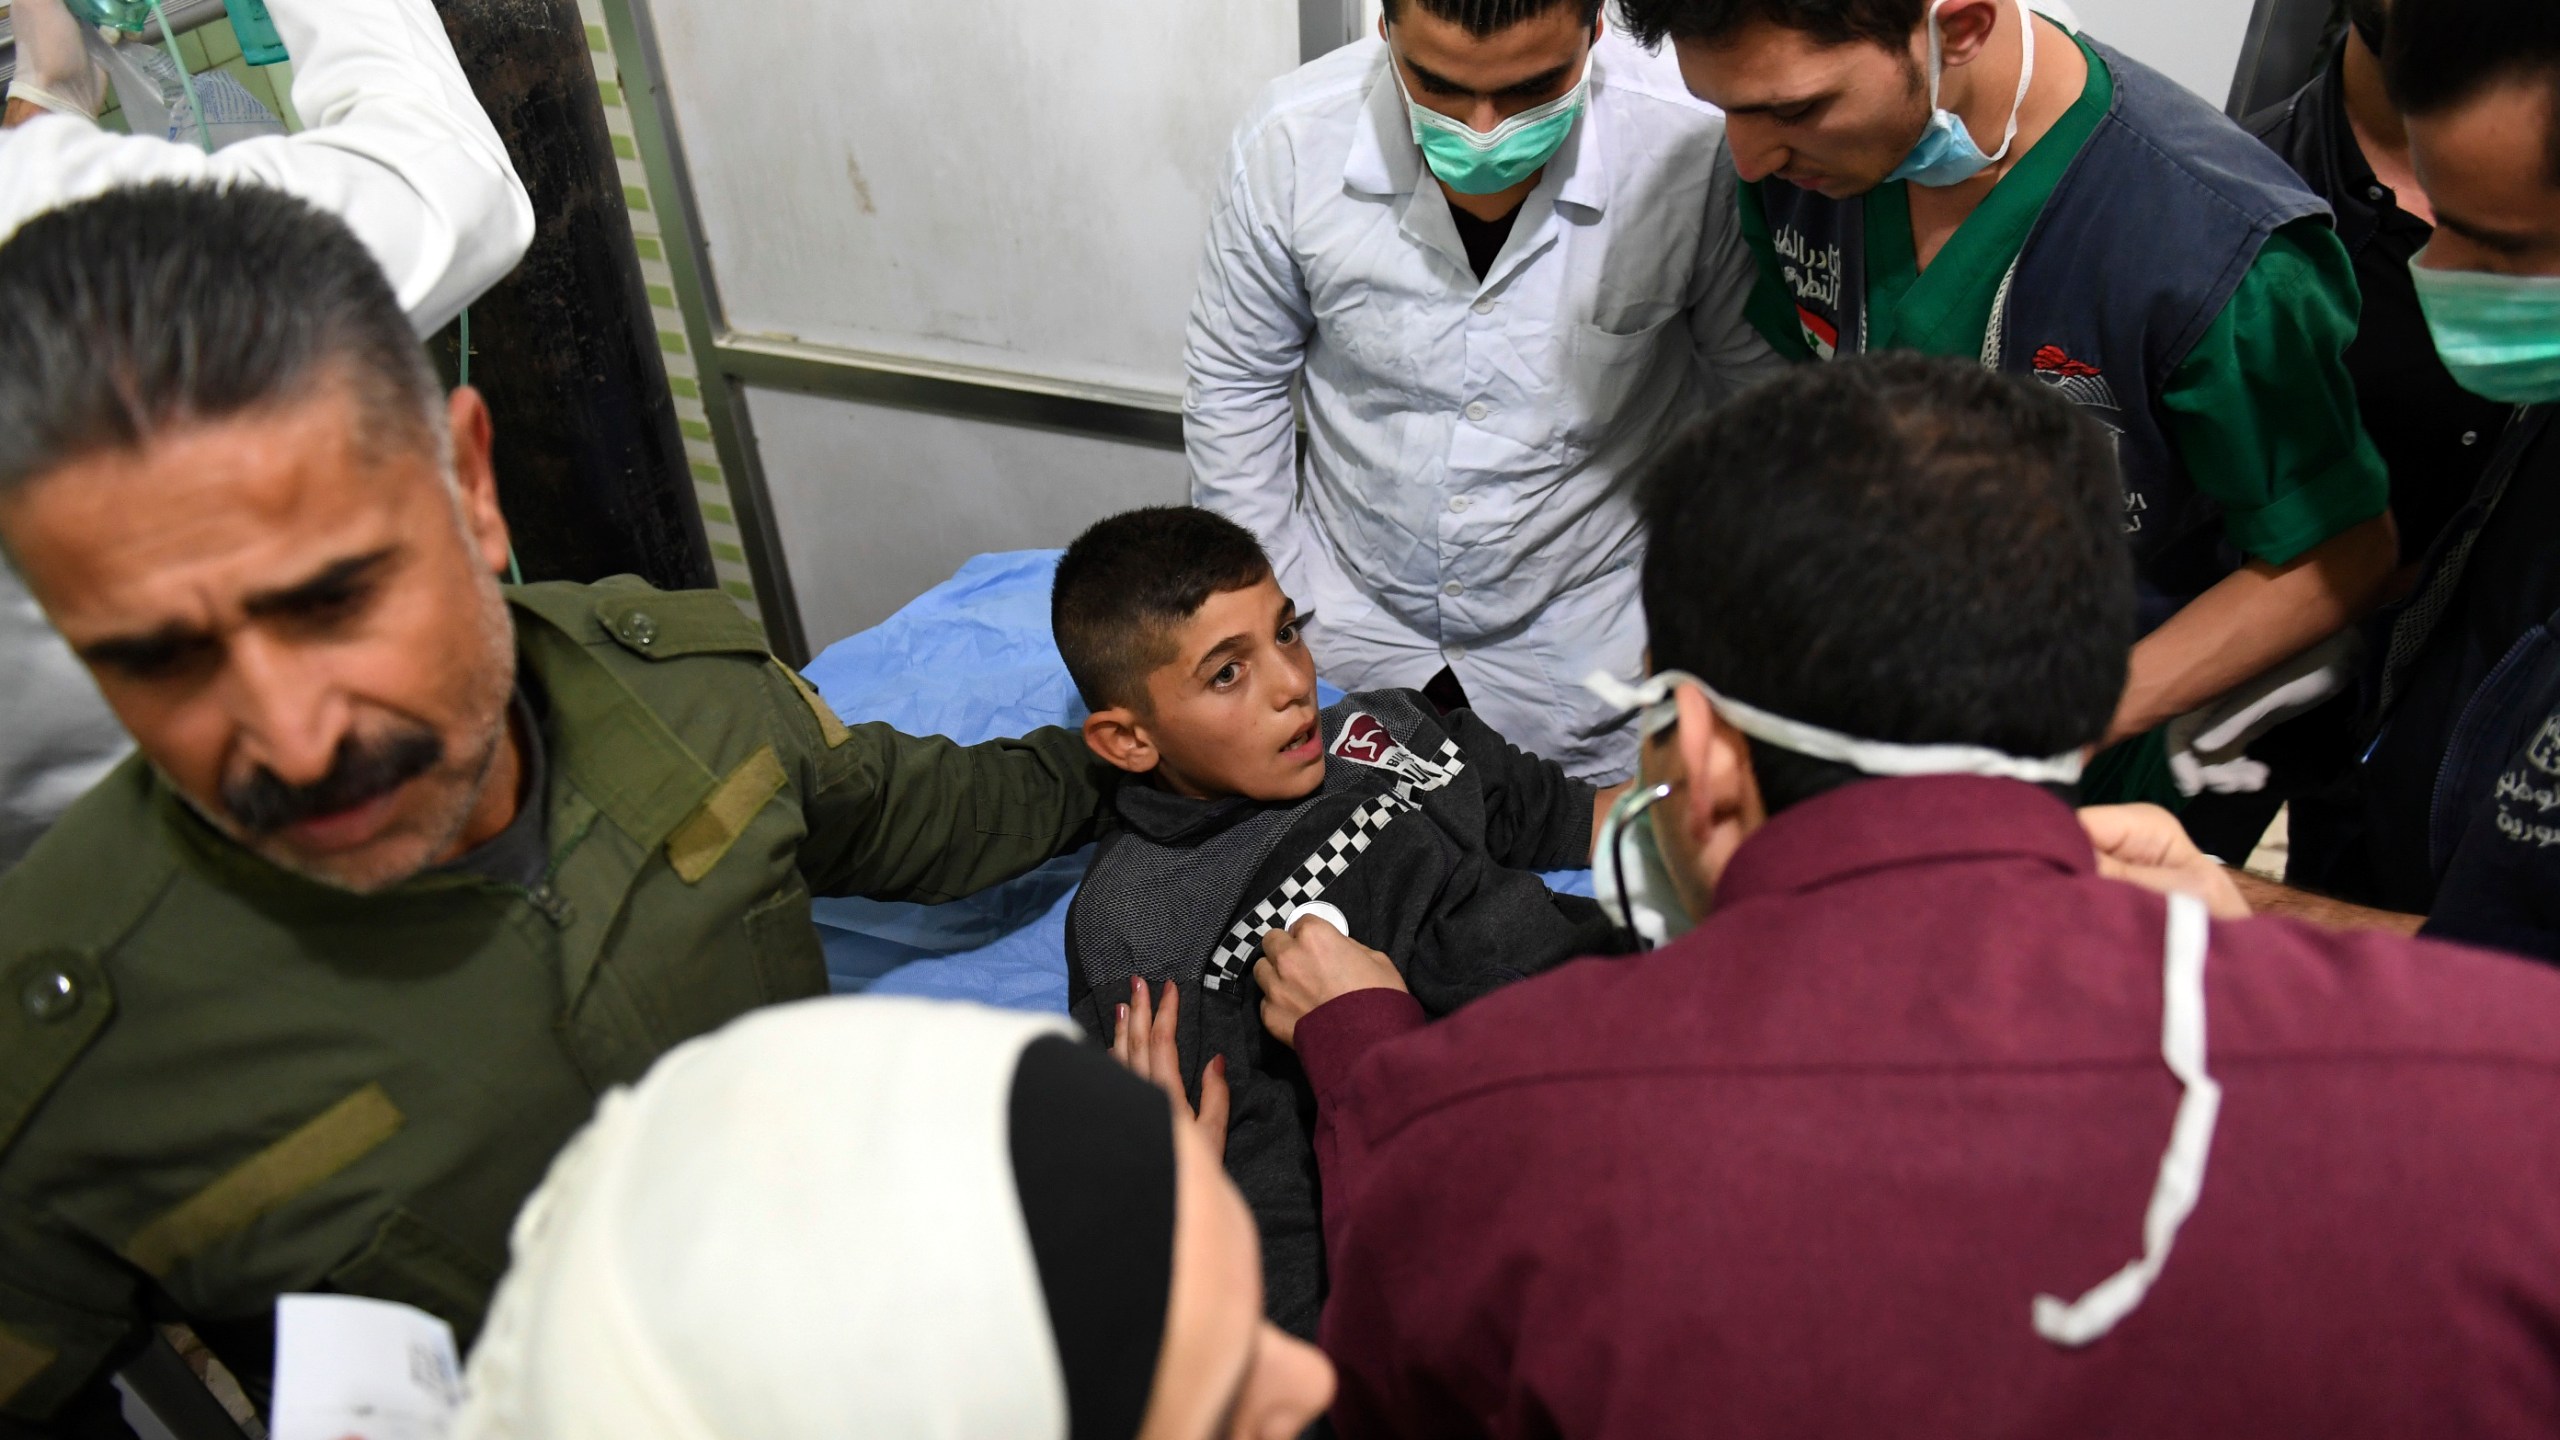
(1416, 832)
(2345, 138)
(2452, 811)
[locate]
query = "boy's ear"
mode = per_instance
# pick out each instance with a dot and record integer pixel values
(1120, 739)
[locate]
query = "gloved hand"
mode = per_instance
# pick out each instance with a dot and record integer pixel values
(54, 68)
(2208, 747)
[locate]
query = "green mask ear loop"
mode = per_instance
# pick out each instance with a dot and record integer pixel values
(186, 82)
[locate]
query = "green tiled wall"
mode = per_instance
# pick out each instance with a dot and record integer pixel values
(710, 481)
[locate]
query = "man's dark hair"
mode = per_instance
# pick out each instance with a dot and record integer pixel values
(170, 304)
(1130, 581)
(1830, 22)
(2438, 54)
(1900, 548)
(1488, 17)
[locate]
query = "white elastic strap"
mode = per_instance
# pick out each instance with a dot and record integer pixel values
(2026, 80)
(2026, 71)
(2181, 1182)
(1871, 757)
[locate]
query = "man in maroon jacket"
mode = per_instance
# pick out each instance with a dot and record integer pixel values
(1927, 1127)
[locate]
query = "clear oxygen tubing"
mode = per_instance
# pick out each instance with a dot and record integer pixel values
(186, 81)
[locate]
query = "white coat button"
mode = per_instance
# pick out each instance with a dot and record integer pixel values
(1458, 504)
(2375, 192)
(1453, 589)
(1479, 410)
(2470, 437)
(1484, 307)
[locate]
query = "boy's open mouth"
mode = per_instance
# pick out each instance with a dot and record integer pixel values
(1301, 739)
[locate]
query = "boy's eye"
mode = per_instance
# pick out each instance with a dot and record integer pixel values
(1296, 629)
(1227, 675)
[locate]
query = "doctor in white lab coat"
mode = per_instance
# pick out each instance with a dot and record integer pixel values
(1482, 364)
(397, 148)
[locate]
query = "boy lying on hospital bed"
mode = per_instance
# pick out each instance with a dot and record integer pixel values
(1416, 833)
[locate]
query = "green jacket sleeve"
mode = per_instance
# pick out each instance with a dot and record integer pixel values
(898, 817)
(69, 1315)
(2264, 412)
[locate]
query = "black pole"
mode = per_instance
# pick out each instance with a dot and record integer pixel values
(591, 467)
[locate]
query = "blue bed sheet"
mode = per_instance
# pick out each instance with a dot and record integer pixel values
(971, 659)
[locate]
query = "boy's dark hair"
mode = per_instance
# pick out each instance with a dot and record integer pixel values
(1899, 548)
(166, 304)
(1488, 17)
(1832, 22)
(1130, 580)
(2438, 54)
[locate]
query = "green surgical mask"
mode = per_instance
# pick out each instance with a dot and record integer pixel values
(2498, 334)
(1475, 162)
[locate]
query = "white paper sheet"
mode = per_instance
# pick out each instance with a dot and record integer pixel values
(356, 1369)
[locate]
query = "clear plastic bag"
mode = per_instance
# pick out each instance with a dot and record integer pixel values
(157, 101)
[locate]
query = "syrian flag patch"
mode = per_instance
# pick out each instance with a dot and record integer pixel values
(1820, 334)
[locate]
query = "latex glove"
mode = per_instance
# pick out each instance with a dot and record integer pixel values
(54, 70)
(2208, 747)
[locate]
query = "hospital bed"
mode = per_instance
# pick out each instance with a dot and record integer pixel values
(971, 659)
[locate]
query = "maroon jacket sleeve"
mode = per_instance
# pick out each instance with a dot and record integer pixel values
(1331, 1041)
(1359, 1328)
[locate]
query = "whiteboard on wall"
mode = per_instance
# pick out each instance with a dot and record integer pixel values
(1016, 185)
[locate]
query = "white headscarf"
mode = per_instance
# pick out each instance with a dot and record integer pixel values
(803, 1226)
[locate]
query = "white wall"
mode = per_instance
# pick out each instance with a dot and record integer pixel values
(1015, 186)
(878, 504)
(2194, 42)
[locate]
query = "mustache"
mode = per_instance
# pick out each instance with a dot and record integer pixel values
(360, 771)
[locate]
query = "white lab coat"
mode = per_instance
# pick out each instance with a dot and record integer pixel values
(1465, 492)
(398, 149)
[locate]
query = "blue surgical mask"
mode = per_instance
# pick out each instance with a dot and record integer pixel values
(2498, 334)
(1478, 162)
(1946, 153)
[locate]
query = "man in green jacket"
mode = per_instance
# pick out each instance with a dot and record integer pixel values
(410, 867)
